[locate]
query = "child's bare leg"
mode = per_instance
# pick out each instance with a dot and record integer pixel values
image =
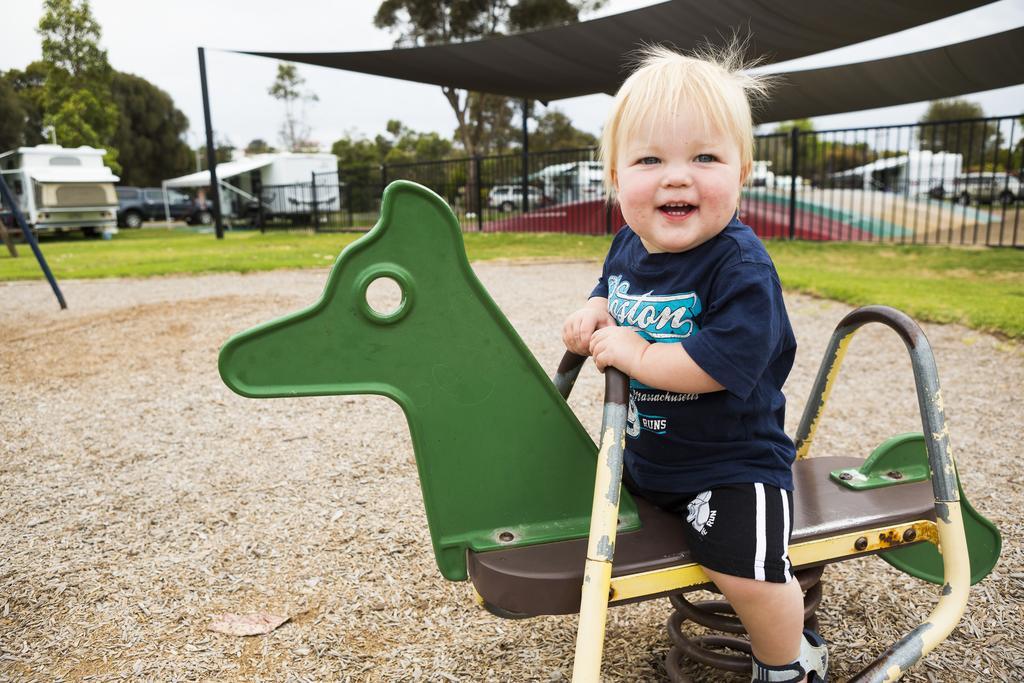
(772, 613)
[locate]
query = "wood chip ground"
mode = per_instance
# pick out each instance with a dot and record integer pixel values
(141, 499)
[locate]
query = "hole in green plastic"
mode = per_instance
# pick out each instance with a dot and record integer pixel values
(385, 295)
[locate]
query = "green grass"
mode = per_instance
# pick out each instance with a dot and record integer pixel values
(980, 288)
(157, 251)
(141, 253)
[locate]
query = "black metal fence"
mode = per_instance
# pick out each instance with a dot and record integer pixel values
(558, 191)
(953, 182)
(950, 182)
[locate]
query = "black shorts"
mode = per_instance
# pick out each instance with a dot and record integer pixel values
(739, 529)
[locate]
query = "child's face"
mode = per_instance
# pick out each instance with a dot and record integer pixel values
(677, 186)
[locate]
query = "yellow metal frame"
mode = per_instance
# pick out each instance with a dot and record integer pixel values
(813, 552)
(586, 667)
(947, 532)
(803, 446)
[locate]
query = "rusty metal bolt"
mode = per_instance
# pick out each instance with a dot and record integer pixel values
(506, 537)
(894, 474)
(909, 535)
(861, 543)
(845, 476)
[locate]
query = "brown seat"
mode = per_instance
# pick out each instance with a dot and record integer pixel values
(546, 578)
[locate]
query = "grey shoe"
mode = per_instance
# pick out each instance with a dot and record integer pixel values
(813, 664)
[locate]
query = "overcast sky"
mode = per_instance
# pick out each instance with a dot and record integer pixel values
(158, 40)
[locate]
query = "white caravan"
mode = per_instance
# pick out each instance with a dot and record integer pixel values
(571, 182)
(917, 172)
(283, 181)
(61, 188)
(761, 174)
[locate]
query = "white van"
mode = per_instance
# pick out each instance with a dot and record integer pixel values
(61, 188)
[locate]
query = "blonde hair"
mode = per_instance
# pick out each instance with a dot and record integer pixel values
(711, 80)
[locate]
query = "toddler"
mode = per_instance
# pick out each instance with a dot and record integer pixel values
(689, 306)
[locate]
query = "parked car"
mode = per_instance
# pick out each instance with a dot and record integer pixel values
(139, 204)
(508, 197)
(987, 187)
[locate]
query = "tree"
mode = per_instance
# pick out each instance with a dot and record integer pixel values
(224, 150)
(407, 146)
(28, 87)
(12, 118)
(483, 120)
(802, 125)
(555, 131)
(149, 133)
(494, 126)
(781, 153)
(819, 157)
(82, 118)
(258, 146)
(71, 41)
(76, 93)
(952, 110)
(354, 152)
(978, 141)
(400, 145)
(287, 88)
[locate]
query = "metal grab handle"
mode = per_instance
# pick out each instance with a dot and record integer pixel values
(603, 517)
(926, 379)
(895, 661)
(568, 370)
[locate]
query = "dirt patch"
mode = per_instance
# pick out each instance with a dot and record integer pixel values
(141, 497)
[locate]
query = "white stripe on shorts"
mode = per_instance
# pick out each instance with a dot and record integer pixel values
(761, 531)
(785, 535)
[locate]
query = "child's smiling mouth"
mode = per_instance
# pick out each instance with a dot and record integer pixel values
(677, 209)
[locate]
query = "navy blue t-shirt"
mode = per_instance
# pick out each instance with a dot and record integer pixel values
(722, 301)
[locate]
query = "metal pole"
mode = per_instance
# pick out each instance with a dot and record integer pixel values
(795, 141)
(211, 152)
(526, 156)
(312, 207)
(8, 198)
(257, 190)
(349, 196)
(479, 193)
(7, 240)
(167, 205)
(597, 574)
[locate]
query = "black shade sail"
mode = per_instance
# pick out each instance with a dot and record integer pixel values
(592, 56)
(987, 63)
